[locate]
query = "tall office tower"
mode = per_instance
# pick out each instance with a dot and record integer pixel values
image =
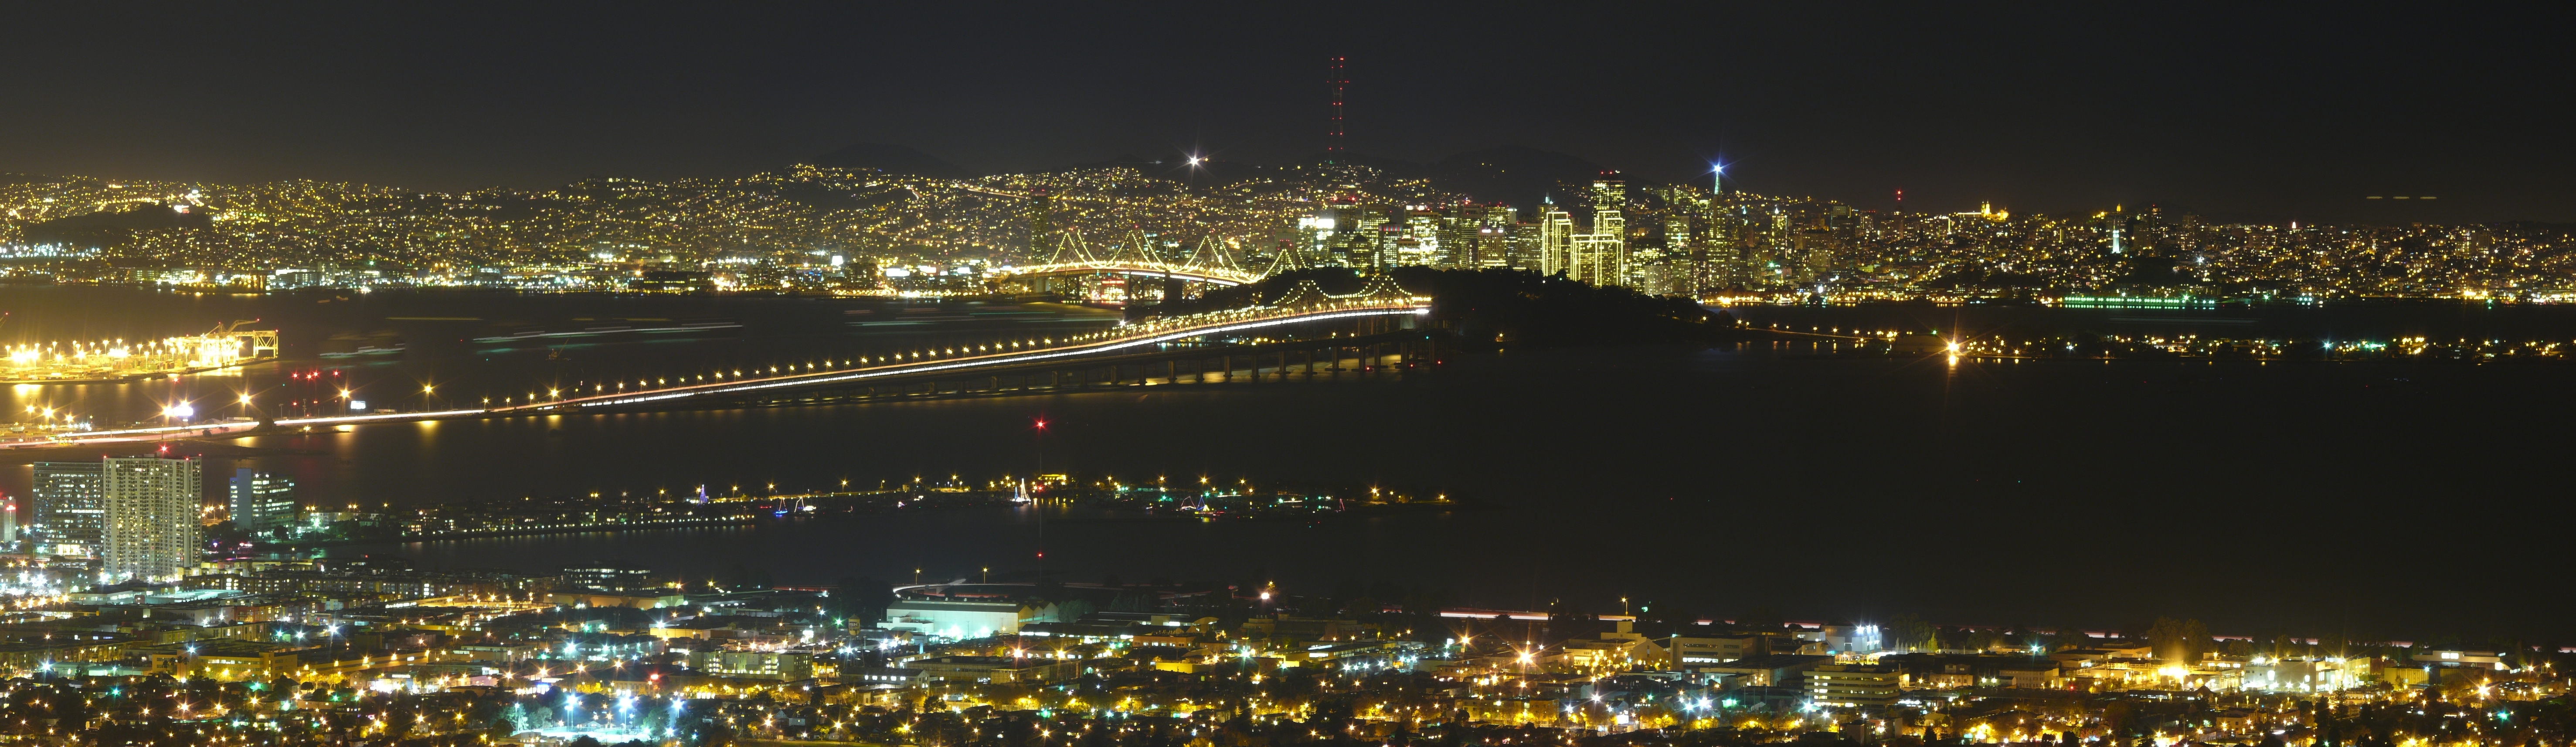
(1678, 239)
(1523, 252)
(1421, 245)
(1606, 260)
(71, 513)
(151, 517)
(1782, 249)
(1598, 260)
(1312, 238)
(1722, 235)
(1041, 215)
(1358, 235)
(9, 522)
(1458, 236)
(1555, 239)
(262, 501)
(1394, 242)
(1494, 236)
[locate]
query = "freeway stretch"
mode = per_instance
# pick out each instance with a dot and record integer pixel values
(1298, 306)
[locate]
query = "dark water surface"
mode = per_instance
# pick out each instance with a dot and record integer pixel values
(2397, 499)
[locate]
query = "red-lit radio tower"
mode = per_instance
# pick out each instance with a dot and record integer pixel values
(1333, 136)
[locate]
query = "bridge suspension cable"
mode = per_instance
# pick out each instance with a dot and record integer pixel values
(1069, 248)
(1213, 254)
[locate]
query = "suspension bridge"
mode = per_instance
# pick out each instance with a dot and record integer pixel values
(1305, 303)
(1215, 261)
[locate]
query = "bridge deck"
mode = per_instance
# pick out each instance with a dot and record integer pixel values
(1128, 338)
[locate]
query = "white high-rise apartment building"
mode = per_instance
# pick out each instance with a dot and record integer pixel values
(152, 528)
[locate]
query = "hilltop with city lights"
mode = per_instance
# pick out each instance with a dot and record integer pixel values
(864, 231)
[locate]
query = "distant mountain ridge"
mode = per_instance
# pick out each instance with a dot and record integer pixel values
(1514, 174)
(892, 159)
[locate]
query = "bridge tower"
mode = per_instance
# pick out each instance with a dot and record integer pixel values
(1213, 254)
(1133, 248)
(1069, 248)
(1287, 259)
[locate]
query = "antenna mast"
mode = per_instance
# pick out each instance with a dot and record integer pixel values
(1340, 80)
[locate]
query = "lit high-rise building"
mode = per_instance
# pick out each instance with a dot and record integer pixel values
(1555, 239)
(1358, 236)
(152, 526)
(1041, 217)
(1599, 260)
(1601, 257)
(1422, 231)
(71, 512)
(1313, 240)
(1494, 237)
(261, 501)
(1460, 242)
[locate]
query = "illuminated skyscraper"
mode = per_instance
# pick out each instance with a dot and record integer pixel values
(1313, 239)
(1421, 245)
(151, 517)
(1494, 236)
(1601, 257)
(1041, 215)
(262, 501)
(71, 513)
(1555, 239)
(1358, 238)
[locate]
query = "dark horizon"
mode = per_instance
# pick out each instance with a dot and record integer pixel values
(2235, 113)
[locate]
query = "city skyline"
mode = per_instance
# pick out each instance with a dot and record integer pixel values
(597, 374)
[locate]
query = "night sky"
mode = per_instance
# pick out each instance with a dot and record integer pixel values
(2234, 112)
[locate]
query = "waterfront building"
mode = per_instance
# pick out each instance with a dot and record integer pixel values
(754, 665)
(152, 517)
(262, 502)
(608, 577)
(71, 513)
(954, 619)
(1854, 685)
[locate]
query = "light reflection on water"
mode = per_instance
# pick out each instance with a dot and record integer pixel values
(2039, 492)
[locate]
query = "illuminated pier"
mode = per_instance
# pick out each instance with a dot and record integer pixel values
(126, 360)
